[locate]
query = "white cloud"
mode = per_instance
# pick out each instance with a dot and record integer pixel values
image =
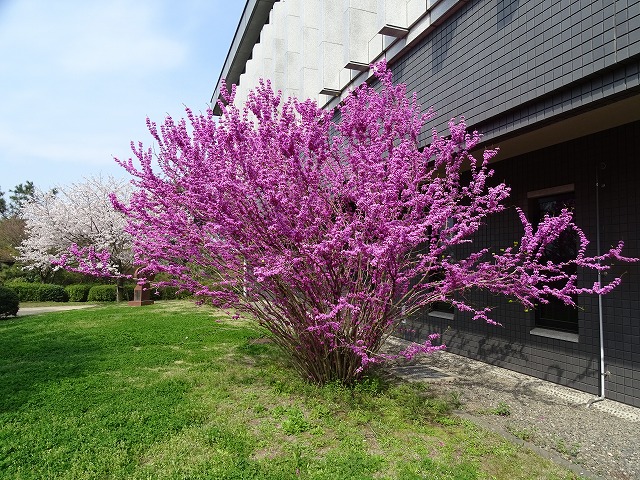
(112, 37)
(78, 78)
(90, 149)
(120, 40)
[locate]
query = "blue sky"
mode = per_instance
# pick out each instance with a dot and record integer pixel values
(79, 77)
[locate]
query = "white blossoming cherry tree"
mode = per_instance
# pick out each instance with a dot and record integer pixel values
(76, 227)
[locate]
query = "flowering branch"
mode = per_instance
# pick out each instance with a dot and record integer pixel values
(325, 232)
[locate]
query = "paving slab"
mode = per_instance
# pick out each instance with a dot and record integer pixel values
(598, 440)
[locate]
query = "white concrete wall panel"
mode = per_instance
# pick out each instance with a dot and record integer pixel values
(311, 11)
(332, 25)
(331, 43)
(241, 91)
(361, 26)
(368, 5)
(392, 12)
(293, 74)
(307, 43)
(279, 32)
(332, 64)
(311, 83)
(266, 38)
(256, 64)
(415, 9)
(294, 49)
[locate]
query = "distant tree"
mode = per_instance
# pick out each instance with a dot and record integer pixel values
(11, 224)
(77, 227)
(11, 235)
(21, 194)
(3, 205)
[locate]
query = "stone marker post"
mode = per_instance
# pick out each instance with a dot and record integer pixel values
(141, 292)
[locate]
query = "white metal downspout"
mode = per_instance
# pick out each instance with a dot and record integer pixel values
(603, 373)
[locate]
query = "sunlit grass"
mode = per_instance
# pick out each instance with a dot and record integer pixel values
(173, 391)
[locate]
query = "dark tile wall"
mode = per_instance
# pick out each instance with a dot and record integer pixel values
(621, 220)
(507, 64)
(613, 158)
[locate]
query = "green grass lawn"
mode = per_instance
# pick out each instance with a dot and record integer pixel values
(173, 391)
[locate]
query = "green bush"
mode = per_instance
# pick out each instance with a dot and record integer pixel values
(27, 292)
(39, 292)
(168, 293)
(78, 292)
(64, 277)
(53, 293)
(9, 302)
(102, 293)
(15, 273)
(107, 293)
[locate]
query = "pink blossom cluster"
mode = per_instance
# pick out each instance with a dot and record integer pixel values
(87, 260)
(330, 227)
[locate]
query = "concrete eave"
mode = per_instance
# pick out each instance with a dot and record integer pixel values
(254, 16)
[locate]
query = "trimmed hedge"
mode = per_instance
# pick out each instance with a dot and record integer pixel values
(27, 292)
(39, 292)
(9, 302)
(78, 292)
(108, 293)
(53, 293)
(169, 293)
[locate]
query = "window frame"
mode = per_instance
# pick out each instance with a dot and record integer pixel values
(548, 326)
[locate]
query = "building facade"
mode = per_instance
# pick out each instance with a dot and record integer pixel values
(555, 84)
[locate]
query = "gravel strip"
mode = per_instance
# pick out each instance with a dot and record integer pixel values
(599, 441)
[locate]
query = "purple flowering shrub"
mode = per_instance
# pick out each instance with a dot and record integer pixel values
(327, 232)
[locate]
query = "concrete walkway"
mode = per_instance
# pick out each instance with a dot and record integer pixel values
(24, 311)
(600, 441)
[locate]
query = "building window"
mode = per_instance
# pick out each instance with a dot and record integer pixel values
(555, 315)
(443, 309)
